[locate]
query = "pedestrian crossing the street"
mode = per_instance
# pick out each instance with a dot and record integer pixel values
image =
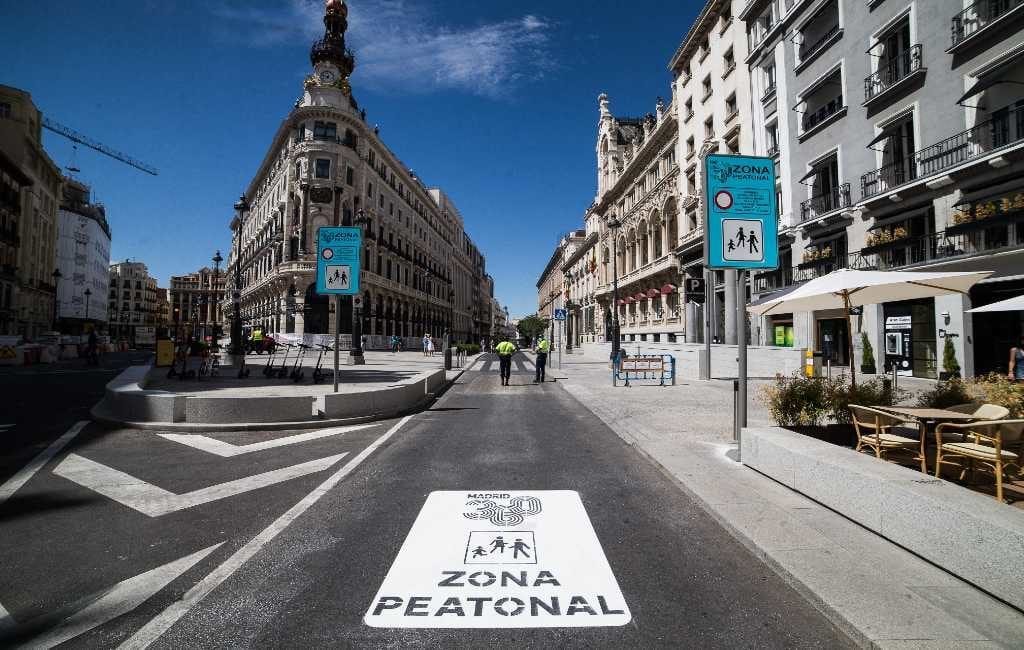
(520, 363)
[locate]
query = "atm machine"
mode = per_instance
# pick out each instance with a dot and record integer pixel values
(898, 345)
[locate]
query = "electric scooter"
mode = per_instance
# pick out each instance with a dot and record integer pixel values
(297, 371)
(243, 371)
(268, 369)
(318, 375)
(282, 372)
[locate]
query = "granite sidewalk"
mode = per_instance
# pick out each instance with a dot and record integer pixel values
(880, 594)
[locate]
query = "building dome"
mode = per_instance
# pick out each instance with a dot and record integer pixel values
(331, 48)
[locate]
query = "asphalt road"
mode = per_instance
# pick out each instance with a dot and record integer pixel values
(298, 563)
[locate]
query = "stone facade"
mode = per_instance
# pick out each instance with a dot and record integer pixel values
(32, 279)
(326, 166)
(133, 299)
(83, 258)
(196, 301)
(906, 156)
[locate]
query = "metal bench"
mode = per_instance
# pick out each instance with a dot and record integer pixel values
(646, 367)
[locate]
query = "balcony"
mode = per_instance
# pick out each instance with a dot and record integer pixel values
(774, 280)
(942, 246)
(980, 15)
(812, 119)
(905, 65)
(811, 50)
(822, 204)
(1004, 129)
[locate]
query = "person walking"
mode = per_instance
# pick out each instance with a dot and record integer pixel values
(92, 354)
(541, 349)
(1016, 369)
(505, 350)
(430, 345)
(426, 339)
(394, 343)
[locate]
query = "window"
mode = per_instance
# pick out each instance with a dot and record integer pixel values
(709, 128)
(897, 59)
(732, 145)
(822, 102)
(371, 157)
(769, 79)
(670, 160)
(706, 85)
(818, 33)
(726, 16)
(369, 190)
(323, 168)
(827, 194)
(689, 109)
(690, 147)
(350, 176)
(691, 182)
(705, 48)
(731, 107)
(772, 138)
(729, 61)
(5, 111)
(325, 130)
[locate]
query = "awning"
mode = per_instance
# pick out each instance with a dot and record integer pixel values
(629, 300)
(884, 135)
(653, 293)
(810, 174)
(622, 301)
(667, 289)
(639, 296)
(981, 86)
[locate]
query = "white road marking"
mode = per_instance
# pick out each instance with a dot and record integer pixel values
(124, 597)
(5, 427)
(500, 559)
(155, 501)
(6, 622)
(228, 450)
(21, 478)
(175, 611)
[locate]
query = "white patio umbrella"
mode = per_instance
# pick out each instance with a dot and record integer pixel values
(1010, 304)
(847, 288)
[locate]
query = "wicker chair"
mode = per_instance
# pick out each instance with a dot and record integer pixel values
(986, 444)
(874, 430)
(980, 411)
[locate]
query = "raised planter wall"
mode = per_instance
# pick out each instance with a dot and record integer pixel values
(968, 534)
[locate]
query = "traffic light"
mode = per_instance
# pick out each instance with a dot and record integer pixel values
(695, 290)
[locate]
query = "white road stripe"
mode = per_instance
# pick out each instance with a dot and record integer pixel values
(155, 501)
(174, 612)
(124, 597)
(228, 450)
(5, 427)
(6, 622)
(21, 478)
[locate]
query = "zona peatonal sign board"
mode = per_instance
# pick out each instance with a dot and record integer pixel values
(740, 212)
(337, 260)
(500, 559)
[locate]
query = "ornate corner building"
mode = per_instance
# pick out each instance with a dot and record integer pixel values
(421, 272)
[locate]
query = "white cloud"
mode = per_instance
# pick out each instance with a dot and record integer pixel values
(400, 44)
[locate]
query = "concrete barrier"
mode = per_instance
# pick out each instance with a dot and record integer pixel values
(127, 400)
(968, 534)
(762, 361)
(384, 402)
(226, 410)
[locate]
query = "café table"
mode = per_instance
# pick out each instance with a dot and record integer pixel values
(924, 417)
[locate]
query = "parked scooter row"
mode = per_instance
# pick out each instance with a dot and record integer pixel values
(275, 369)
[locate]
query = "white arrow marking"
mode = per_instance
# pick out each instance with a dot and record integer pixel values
(156, 627)
(6, 622)
(119, 600)
(21, 478)
(155, 501)
(227, 450)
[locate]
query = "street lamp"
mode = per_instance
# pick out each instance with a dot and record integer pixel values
(356, 349)
(568, 313)
(88, 294)
(217, 259)
(614, 224)
(241, 207)
(56, 281)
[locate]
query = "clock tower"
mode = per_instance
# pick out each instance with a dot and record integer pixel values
(332, 62)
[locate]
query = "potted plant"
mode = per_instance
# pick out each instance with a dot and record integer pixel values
(950, 366)
(867, 362)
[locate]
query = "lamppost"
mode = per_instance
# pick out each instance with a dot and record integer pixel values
(216, 301)
(241, 207)
(88, 294)
(356, 349)
(56, 281)
(614, 224)
(568, 313)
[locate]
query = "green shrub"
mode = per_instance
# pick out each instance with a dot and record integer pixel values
(796, 400)
(949, 363)
(999, 389)
(468, 348)
(840, 394)
(868, 359)
(945, 394)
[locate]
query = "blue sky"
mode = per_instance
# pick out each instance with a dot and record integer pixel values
(496, 102)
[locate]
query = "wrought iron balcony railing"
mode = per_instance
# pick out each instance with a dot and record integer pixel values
(809, 50)
(893, 71)
(814, 118)
(941, 246)
(816, 206)
(980, 15)
(1005, 127)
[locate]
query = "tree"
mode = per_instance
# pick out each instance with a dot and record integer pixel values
(949, 363)
(532, 326)
(867, 364)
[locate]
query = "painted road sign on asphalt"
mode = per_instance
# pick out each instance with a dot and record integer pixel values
(493, 559)
(338, 252)
(559, 314)
(740, 212)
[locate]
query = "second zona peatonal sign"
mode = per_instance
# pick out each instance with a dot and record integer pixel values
(740, 212)
(496, 559)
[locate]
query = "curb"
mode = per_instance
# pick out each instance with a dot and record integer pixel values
(98, 415)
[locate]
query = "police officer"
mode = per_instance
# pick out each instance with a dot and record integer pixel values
(542, 348)
(505, 350)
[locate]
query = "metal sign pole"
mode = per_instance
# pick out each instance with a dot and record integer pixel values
(561, 324)
(741, 325)
(337, 337)
(709, 297)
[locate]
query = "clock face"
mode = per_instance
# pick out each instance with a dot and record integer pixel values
(326, 76)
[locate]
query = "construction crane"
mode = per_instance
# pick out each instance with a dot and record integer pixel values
(75, 136)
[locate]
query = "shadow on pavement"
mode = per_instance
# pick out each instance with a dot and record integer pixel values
(17, 507)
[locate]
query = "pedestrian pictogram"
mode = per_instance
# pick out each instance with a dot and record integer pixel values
(742, 239)
(501, 547)
(338, 276)
(338, 259)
